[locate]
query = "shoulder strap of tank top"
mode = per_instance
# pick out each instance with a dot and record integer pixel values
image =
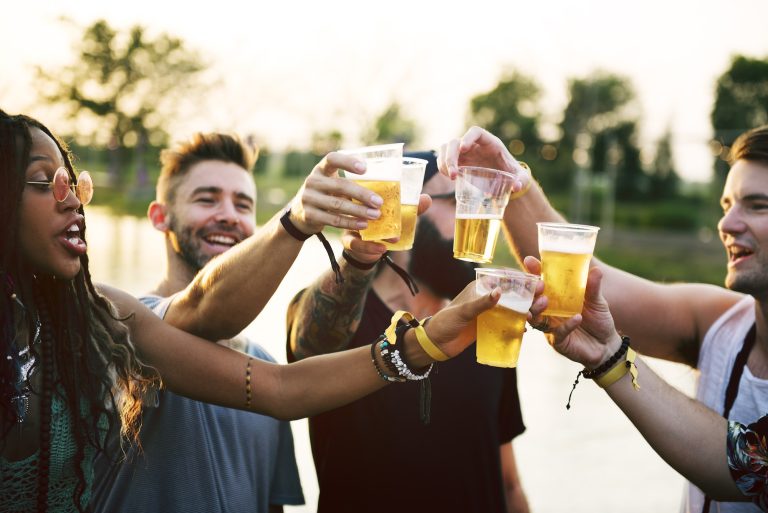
(733, 384)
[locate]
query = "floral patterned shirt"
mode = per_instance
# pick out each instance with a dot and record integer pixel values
(748, 459)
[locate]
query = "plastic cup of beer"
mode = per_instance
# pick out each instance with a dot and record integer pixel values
(482, 195)
(410, 190)
(566, 250)
(500, 329)
(382, 176)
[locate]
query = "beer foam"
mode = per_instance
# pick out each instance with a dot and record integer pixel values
(574, 246)
(510, 300)
(380, 169)
(515, 303)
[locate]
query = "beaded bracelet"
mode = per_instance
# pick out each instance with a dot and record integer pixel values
(383, 375)
(248, 384)
(610, 362)
(618, 371)
(392, 359)
(597, 373)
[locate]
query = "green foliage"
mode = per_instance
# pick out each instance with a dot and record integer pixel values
(663, 180)
(511, 112)
(124, 84)
(741, 103)
(391, 126)
(599, 132)
(300, 163)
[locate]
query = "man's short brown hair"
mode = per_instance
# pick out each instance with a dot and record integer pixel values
(751, 145)
(176, 161)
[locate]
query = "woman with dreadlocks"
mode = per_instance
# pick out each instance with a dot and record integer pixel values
(77, 359)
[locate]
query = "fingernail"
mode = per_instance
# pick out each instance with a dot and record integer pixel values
(360, 166)
(361, 225)
(373, 213)
(376, 200)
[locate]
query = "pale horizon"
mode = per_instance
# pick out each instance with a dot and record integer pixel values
(285, 71)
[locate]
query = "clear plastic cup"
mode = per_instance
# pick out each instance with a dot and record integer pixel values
(382, 176)
(500, 329)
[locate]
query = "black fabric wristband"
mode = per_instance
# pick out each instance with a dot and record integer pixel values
(357, 264)
(294, 232)
(297, 234)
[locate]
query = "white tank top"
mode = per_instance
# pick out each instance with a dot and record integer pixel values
(721, 344)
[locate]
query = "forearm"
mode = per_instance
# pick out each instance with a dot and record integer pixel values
(520, 218)
(688, 436)
(232, 289)
(328, 314)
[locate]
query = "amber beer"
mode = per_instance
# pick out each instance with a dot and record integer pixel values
(475, 237)
(500, 335)
(408, 229)
(566, 250)
(388, 225)
(500, 329)
(565, 275)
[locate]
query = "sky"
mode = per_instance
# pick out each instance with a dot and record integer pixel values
(284, 70)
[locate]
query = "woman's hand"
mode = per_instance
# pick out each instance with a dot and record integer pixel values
(453, 328)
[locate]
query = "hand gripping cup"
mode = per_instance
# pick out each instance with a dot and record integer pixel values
(566, 250)
(382, 176)
(481, 197)
(500, 329)
(410, 190)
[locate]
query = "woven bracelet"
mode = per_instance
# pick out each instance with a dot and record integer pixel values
(594, 373)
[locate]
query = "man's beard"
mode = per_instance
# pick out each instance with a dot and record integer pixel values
(754, 283)
(432, 264)
(189, 243)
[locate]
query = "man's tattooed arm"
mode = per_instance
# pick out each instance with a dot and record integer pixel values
(327, 314)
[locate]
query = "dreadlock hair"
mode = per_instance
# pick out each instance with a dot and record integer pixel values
(85, 355)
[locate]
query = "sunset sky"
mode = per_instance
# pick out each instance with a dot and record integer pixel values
(283, 70)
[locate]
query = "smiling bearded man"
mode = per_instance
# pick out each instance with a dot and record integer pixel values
(200, 457)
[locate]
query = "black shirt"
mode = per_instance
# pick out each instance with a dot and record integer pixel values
(375, 455)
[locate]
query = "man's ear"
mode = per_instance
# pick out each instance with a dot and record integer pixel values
(158, 216)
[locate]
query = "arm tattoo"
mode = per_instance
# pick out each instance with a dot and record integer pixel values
(328, 314)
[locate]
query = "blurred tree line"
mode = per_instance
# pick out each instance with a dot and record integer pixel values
(128, 84)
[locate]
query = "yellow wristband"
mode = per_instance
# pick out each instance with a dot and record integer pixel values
(618, 370)
(425, 342)
(526, 187)
(427, 345)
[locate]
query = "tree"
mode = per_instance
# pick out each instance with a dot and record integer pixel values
(741, 103)
(391, 126)
(326, 142)
(598, 130)
(510, 111)
(664, 181)
(124, 84)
